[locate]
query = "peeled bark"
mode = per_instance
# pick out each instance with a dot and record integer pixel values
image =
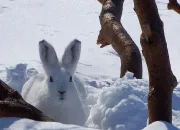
(13, 105)
(113, 33)
(161, 79)
(174, 5)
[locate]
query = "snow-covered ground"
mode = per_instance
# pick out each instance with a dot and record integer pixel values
(113, 103)
(26, 124)
(160, 125)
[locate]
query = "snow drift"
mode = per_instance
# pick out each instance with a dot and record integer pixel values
(18, 75)
(27, 124)
(160, 125)
(113, 103)
(121, 106)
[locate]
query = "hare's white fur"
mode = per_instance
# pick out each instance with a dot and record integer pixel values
(44, 91)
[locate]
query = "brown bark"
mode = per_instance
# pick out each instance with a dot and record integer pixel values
(113, 33)
(13, 105)
(174, 5)
(101, 1)
(161, 79)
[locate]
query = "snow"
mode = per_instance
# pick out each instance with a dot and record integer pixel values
(27, 124)
(119, 106)
(112, 103)
(18, 75)
(124, 105)
(160, 125)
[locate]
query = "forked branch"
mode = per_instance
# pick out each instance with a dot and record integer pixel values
(113, 33)
(13, 105)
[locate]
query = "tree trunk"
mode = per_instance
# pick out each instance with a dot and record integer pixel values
(13, 105)
(161, 79)
(113, 32)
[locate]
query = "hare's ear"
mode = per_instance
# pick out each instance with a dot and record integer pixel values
(71, 56)
(47, 55)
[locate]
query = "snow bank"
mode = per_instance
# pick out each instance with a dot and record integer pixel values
(160, 125)
(121, 106)
(18, 75)
(27, 124)
(111, 103)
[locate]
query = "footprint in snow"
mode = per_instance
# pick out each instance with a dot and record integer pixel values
(3, 8)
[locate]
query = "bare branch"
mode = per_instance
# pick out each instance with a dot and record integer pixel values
(174, 5)
(101, 40)
(101, 1)
(113, 33)
(13, 105)
(161, 79)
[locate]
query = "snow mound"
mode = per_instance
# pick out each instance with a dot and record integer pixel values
(111, 103)
(121, 106)
(19, 69)
(18, 75)
(160, 125)
(27, 124)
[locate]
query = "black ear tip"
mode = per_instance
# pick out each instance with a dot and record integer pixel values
(42, 41)
(77, 41)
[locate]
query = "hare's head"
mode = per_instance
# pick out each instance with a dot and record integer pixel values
(60, 73)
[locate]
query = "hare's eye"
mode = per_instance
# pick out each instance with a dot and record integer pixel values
(51, 79)
(70, 79)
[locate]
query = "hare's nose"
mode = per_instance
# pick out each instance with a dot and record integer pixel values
(62, 92)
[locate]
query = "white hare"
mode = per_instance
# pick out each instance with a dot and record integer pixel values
(55, 92)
